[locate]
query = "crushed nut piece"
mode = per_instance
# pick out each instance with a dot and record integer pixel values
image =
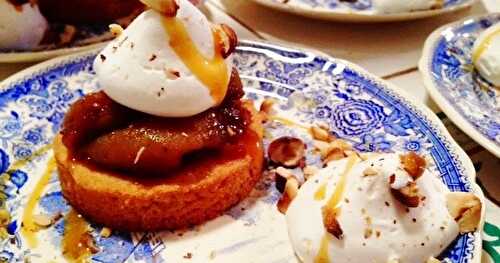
(310, 171)
(342, 144)
(289, 193)
(408, 195)
(334, 154)
(370, 171)
(292, 187)
(267, 105)
(413, 164)
(228, 39)
(281, 176)
(320, 134)
(465, 208)
(283, 203)
(115, 29)
(331, 223)
(105, 232)
(188, 255)
(287, 151)
(42, 220)
(368, 233)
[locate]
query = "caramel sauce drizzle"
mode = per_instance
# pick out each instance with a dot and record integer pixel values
(323, 255)
(320, 193)
(213, 72)
(77, 241)
(29, 228)
(484, 45)
(332, 203)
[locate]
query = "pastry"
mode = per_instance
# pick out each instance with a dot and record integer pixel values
(168, 143)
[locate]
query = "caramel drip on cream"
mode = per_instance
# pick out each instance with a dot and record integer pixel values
(339, 190)
(332, 203)
(323, 256)
(29, 228)
(484, 45)
(213, 73)
(320, 193)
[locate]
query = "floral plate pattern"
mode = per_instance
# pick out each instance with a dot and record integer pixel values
(463, 95)
(356, 11)
(310, 88)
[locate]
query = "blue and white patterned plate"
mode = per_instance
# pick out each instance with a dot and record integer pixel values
(356, 11)
(310, 88)
(453, 84)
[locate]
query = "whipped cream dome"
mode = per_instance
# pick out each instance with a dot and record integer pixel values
(399, 6)
(21, 27)
(376, 227)
(486, 54)
(141, 70)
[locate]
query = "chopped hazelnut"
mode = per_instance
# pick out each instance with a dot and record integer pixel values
(408, 195)
(331, 223)
(289, 193)
(334, 154)
(105, 232)
(370, 171)
(228, 39)
(413, 164)
(320, 134)
(267, 105)
(465, 208)
(115, 29)
(283, 203)
(42, 220)
(287, 151)
(292, 187)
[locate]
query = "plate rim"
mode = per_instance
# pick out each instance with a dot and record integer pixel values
(357, 17)
(414, 104)
(424, 67)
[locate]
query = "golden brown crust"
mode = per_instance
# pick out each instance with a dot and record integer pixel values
(126, 204)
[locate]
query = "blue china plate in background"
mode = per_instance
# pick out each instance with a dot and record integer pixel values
(89, 37)
(310, 88)
(446, 65)
(357, 11)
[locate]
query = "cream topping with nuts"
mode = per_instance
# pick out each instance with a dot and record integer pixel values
(170, 62)
(369, 223)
